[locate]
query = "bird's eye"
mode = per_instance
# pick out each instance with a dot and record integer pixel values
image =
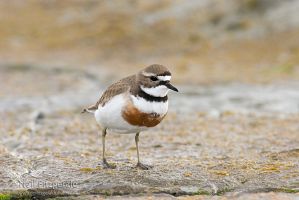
(153, 78)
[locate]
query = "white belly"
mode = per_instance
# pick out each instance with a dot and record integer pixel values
(110, 116)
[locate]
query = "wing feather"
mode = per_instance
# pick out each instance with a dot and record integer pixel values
(117, 88)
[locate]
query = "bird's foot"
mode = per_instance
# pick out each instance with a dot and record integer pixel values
(143, 166)
(106, 165)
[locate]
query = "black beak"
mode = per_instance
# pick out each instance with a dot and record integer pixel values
(171, 87)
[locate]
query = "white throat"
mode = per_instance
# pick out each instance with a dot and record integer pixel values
(159, 91)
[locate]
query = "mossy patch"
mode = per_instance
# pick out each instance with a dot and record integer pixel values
(202, 192)
(287, 190)
(18, 194)
(90, 170)
(5, 197)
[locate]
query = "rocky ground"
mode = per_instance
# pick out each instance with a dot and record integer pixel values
(216, 140)
(231, 133)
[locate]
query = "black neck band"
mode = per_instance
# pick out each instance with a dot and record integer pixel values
(151, 98)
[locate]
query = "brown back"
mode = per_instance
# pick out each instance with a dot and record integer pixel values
(117, 88)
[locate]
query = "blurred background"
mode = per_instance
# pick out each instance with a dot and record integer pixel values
(203, 42)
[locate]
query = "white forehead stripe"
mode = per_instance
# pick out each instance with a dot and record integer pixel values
(159, 91)
(164, 78)
(148, 74)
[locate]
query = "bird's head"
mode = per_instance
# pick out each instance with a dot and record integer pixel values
(155, 80)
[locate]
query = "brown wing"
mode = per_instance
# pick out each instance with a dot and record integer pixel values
(117, 88)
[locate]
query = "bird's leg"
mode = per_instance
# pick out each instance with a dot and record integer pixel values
(105, 163)
(139, 164)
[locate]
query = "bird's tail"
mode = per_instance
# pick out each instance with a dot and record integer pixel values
(87, 110)
(90, 109)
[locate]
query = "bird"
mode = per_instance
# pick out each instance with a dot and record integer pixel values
(133, 104)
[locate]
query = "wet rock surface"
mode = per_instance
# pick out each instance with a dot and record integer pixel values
(216, 140)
